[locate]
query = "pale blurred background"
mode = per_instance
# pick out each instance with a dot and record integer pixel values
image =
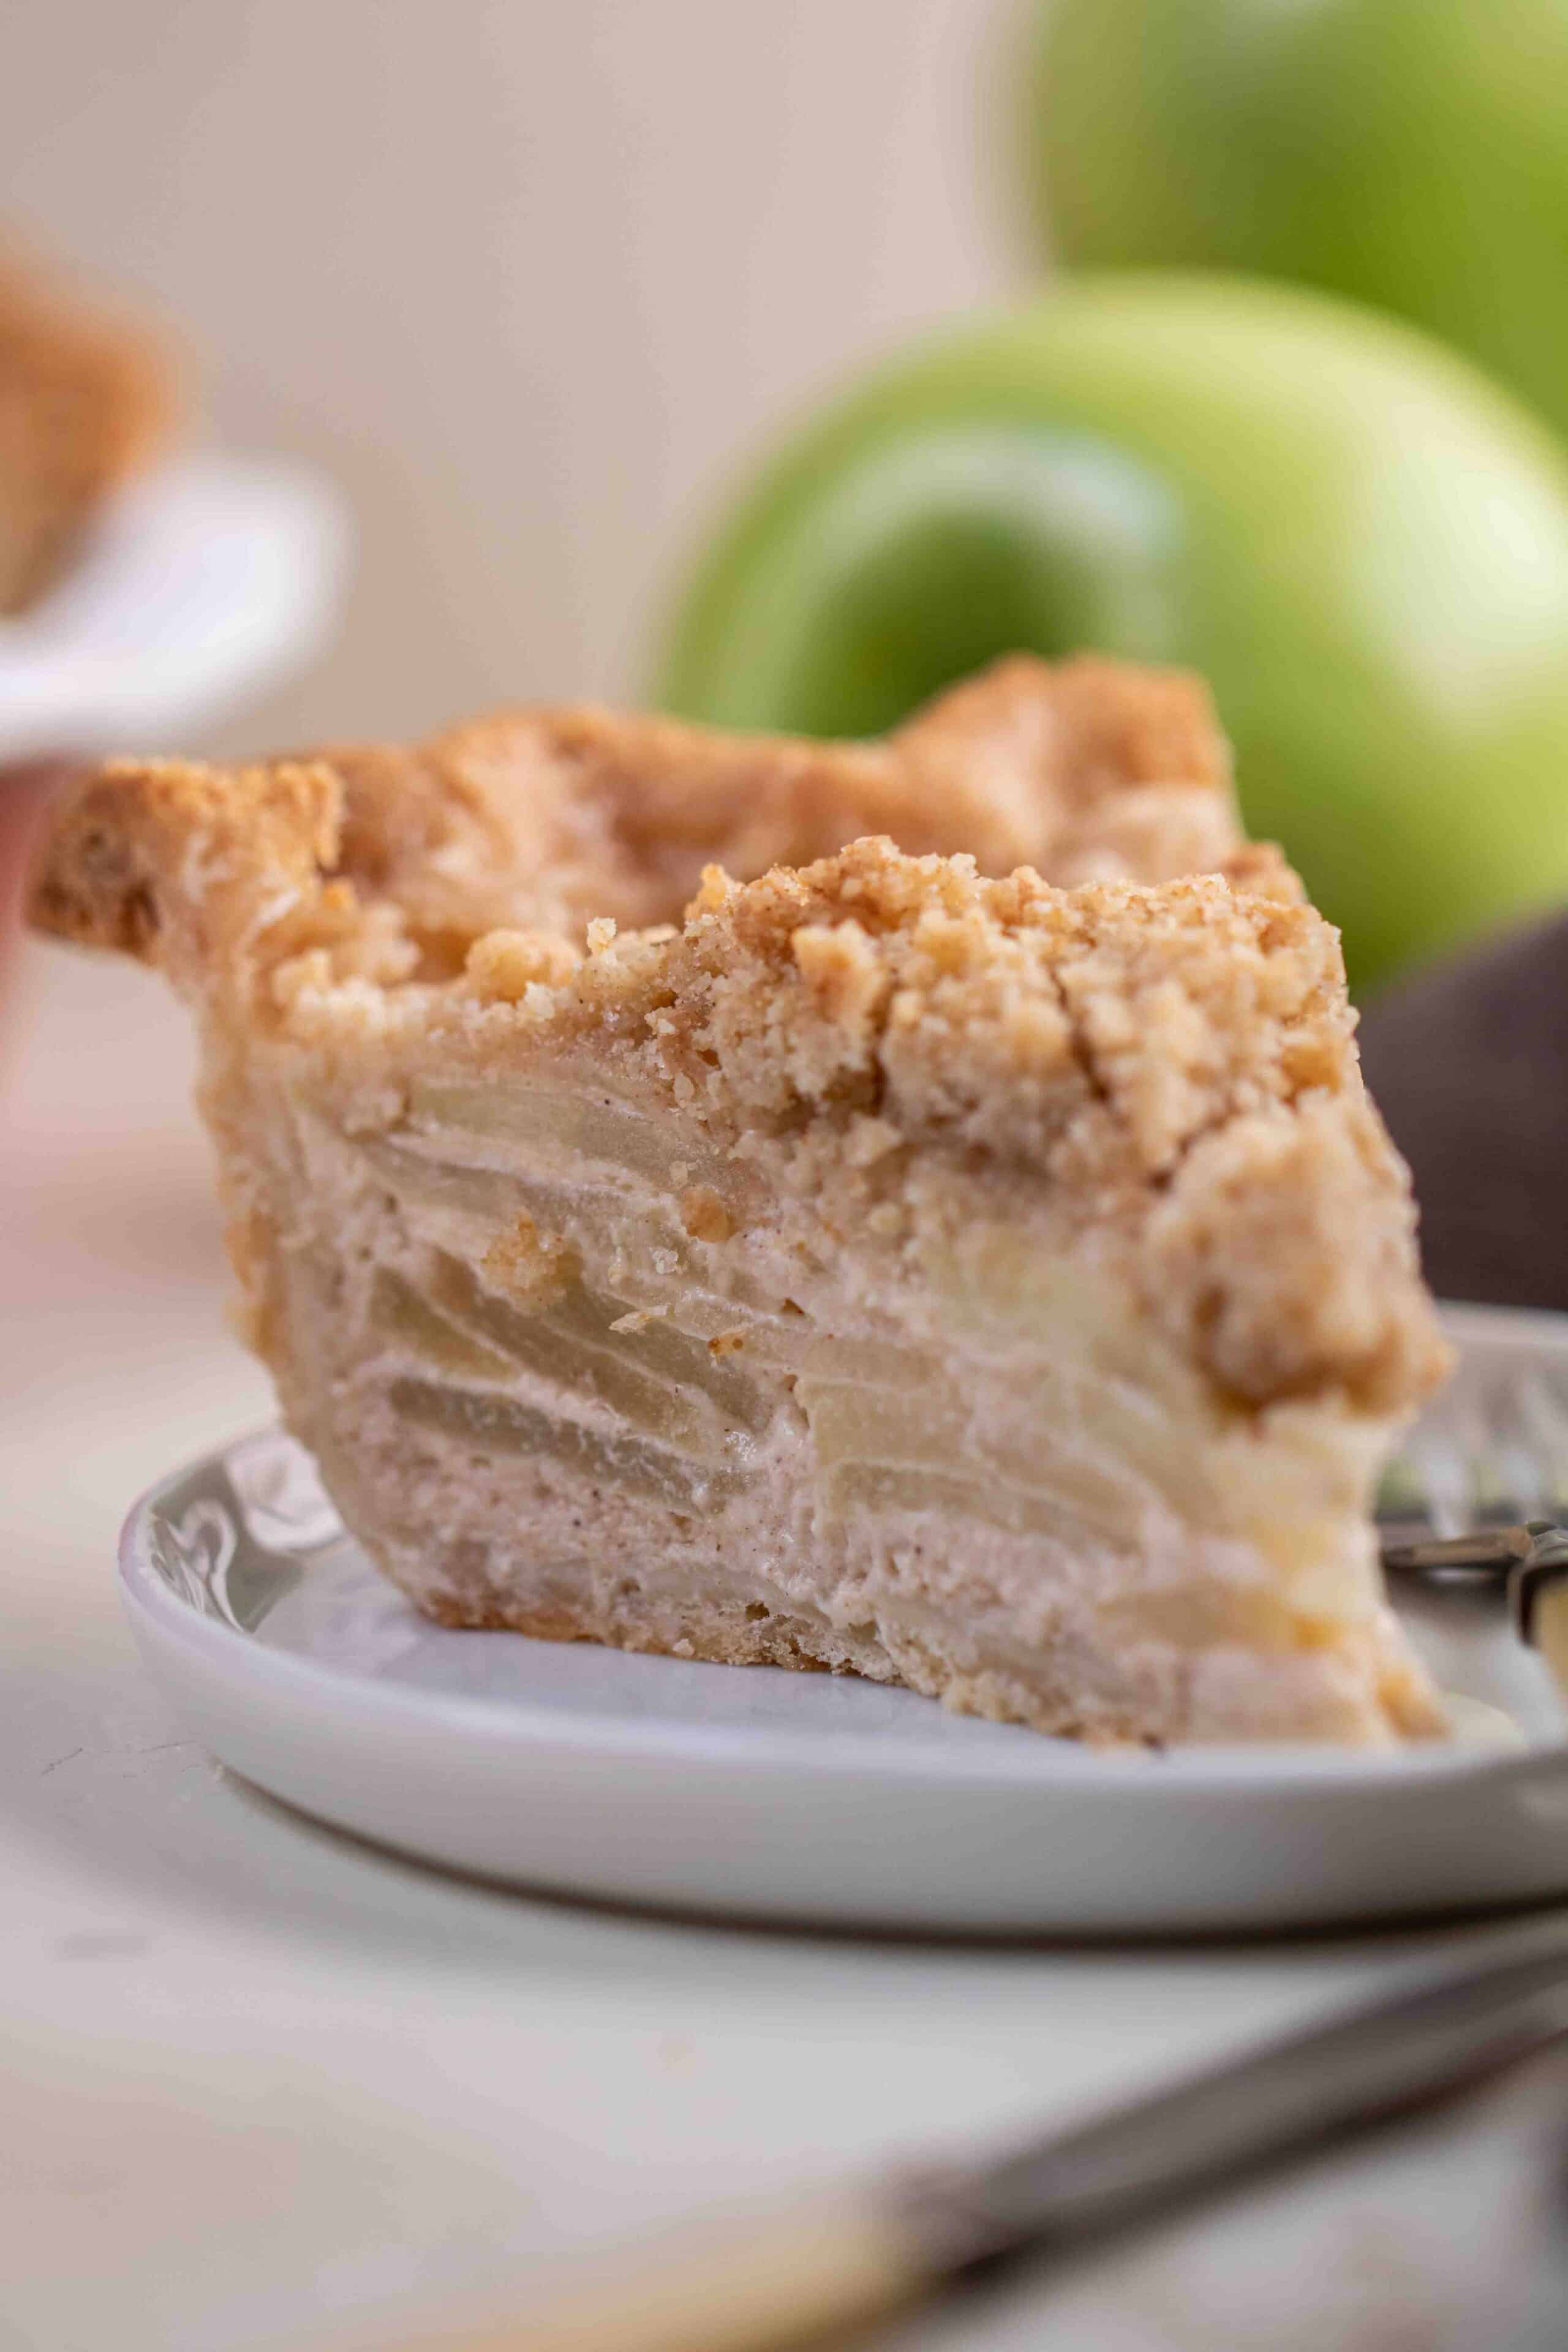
(526, 277)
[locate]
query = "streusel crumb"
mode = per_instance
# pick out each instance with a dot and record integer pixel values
(1035, 983)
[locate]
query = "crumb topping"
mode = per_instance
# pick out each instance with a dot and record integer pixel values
(1071, 972)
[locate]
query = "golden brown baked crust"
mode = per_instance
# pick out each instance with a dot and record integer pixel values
(85, 401)
(1171, 1052)
(550, 818)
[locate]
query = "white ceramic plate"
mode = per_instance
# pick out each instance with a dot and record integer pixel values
(207, 580)
(806, 1797)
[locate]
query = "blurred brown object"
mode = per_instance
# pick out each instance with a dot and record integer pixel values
(86, 400)
(1468, 1064)
(23, 792)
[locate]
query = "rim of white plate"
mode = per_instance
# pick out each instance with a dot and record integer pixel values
(204, 581)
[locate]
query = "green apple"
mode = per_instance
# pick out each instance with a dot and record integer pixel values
(1357, 538)
(1411, 152)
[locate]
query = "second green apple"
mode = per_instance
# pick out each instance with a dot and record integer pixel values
(1413, 153)
(1359, 542)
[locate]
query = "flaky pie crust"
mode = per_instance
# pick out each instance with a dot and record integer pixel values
(1073, 963)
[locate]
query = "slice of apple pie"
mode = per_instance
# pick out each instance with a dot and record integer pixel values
(1003, 1285)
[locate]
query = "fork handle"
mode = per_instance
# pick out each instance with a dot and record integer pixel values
(1538, 1595)
(1548, 1625)
(778, 2280)
(1552, 1630)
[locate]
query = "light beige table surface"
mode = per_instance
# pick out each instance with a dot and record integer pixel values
(263, 2086)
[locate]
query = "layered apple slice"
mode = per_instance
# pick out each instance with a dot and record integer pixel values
(584, 1371)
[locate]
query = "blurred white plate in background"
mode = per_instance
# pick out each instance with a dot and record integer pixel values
(204, 582)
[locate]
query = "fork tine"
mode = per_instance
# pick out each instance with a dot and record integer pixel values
(1442, 1456)
(1493, 1450)
(1511, 1483)
(1541, 1418)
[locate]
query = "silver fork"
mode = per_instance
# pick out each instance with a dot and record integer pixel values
(1476, 1505)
